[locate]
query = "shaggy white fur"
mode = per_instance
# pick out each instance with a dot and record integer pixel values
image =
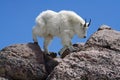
(63, 24)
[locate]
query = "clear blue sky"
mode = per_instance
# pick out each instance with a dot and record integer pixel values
(17, 17)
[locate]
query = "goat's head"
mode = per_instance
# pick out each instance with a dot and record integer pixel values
(83, 29)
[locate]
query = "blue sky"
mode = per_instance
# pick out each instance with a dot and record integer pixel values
(17, 17)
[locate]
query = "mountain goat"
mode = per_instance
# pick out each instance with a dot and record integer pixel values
(63, 24)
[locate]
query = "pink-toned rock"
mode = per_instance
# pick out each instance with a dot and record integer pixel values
(106, 38)
(22, 62)
(1, 78)
(99, 59)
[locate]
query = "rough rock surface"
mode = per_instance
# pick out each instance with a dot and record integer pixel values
(22, 62)
(26, 62)
(99, 59)
(50, 63)
(106, 38)
(1, 78)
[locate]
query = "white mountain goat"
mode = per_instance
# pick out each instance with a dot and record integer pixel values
(63, 24)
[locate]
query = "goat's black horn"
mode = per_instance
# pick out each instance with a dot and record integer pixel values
(89, 22)
(85, 23)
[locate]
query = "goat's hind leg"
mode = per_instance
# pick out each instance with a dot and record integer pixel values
(47, 40)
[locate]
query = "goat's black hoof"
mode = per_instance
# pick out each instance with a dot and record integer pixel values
(36, 43)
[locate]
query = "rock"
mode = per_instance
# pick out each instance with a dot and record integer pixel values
(99, 59)
(52, 54)
(105, 38)
(103, 27)
(88, 65)
(51, 63)
(22, 62)
(1, 78)
(26, 62)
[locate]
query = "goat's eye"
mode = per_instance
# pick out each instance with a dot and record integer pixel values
(85, 26)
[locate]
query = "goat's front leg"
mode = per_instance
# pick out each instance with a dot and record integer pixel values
(62, 50)
(66, 41)
(71, 48)
(47, 40)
